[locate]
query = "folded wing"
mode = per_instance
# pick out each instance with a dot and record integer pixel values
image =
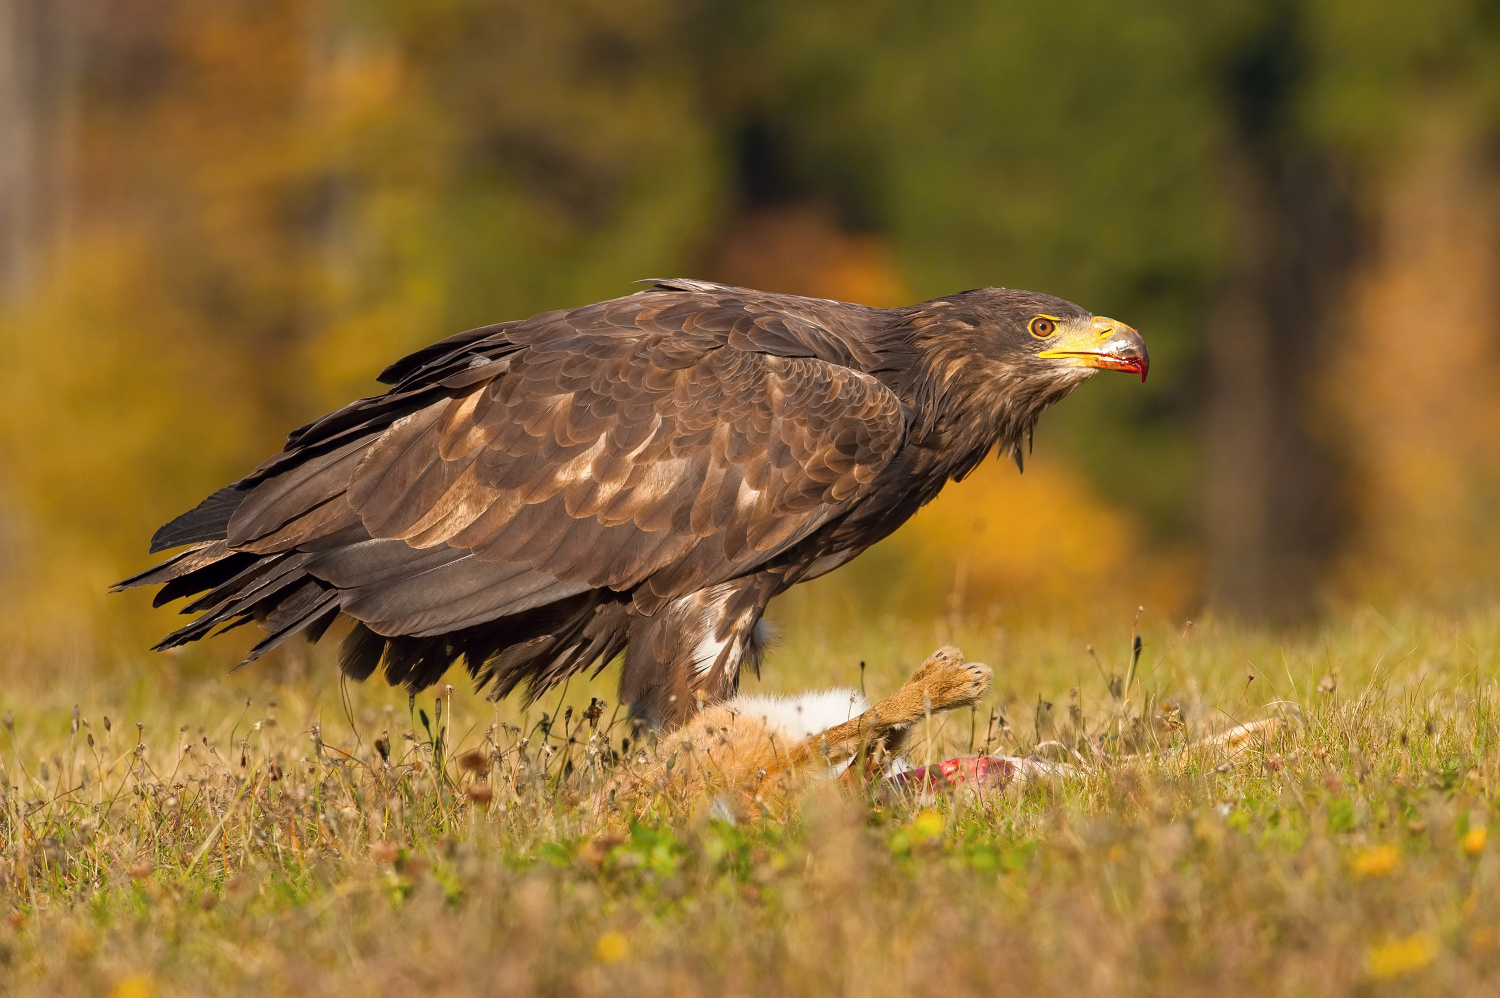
(647, 447)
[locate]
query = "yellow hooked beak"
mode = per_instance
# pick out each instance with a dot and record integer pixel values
(1105, 344)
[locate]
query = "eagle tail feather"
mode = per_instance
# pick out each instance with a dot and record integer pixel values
(293, 614)
(536, 648)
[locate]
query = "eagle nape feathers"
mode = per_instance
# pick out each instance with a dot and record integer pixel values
(638, 476)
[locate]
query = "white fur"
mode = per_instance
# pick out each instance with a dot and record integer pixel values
(806, 714)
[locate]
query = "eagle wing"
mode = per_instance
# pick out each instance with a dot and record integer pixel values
(657, 444)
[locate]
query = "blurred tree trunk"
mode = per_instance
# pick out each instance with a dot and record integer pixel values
(1272, 492)
(36, 65)
(37, 62)
(1420, 386)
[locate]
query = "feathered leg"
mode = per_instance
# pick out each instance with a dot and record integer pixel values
(687, 655)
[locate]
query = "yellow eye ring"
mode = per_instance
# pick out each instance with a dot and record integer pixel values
(1042, 326)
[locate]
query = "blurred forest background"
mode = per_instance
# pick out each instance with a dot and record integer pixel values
(219, 219)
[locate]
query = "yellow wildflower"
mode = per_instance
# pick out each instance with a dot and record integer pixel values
(1399, 957)
(928, 826)
(134, 986)
(1474, 841)
(612, 947)
(1376, 862)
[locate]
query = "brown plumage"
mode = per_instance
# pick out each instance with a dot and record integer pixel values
(640, 475)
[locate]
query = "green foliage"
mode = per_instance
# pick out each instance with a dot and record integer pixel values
(1051, 146)
(270, 201)
(533, 156)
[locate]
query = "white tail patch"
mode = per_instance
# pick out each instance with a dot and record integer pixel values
(804, 715)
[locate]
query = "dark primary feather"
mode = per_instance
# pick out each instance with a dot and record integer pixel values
(204, 522)
(527, 495)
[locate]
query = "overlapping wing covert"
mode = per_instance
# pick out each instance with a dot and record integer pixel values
(657, 443)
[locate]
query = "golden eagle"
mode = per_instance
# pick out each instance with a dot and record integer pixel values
(639, 475)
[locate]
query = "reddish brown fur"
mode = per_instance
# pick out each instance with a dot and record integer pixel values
(724, 751)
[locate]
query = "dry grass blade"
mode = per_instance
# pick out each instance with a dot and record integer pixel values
(1338, 846)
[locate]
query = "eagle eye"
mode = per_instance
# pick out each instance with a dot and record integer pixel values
(1042, 326)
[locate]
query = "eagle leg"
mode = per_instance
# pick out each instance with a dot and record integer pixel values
(688, 653)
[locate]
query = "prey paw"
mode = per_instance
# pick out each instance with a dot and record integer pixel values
(958, 685)
(939, 663)
(977, 680)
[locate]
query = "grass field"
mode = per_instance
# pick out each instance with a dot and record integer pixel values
(247, 834)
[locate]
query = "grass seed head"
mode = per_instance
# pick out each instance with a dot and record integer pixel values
(597, 850)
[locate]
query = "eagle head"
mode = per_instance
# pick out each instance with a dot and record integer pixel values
(989, 361)
(1041, 335)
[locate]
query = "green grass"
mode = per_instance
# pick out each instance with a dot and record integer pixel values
(223, 847)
